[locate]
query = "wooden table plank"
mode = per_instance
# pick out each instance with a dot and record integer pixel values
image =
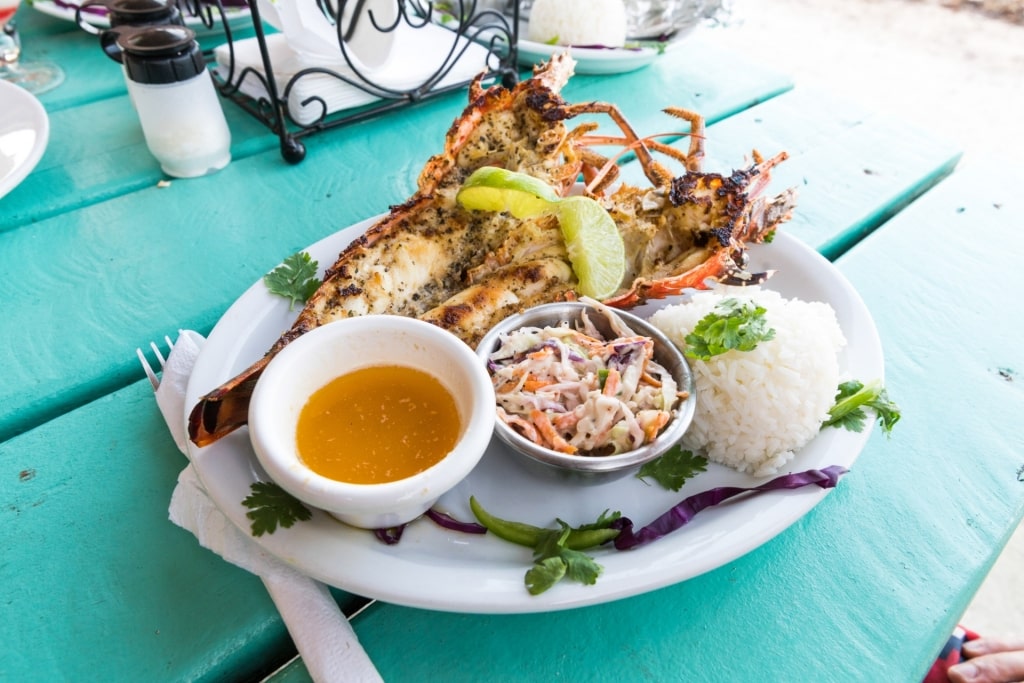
(943, 282)
(99, 584)
(86, 165)
(940, 499)
(186, 251)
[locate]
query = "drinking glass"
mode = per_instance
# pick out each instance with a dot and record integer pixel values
(36, 77)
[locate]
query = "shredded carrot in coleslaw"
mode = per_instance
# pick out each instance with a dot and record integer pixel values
(574, 392)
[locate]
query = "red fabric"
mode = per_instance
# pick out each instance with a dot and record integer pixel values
(950, 655)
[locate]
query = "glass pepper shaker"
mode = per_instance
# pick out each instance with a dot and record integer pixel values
(173, 92)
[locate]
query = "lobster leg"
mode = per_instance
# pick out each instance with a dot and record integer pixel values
(695, 155)
(655, 172)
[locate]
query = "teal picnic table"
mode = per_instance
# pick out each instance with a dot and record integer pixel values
(100, 257)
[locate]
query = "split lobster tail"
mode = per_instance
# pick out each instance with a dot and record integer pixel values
(226, 408)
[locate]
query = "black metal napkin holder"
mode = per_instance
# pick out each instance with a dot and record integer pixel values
(467, 24)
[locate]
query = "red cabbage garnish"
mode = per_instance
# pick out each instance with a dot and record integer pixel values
(390, 535)
(598, 46)
(98, 10)
(684, 511)
(393, 534)
(445, 520)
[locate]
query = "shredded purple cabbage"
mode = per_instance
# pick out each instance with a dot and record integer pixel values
(624, 355)
(674, 518)
(391, 535)
(98, 10)
(598, 46)
(101, 10)
(445, 520)
(681, 514)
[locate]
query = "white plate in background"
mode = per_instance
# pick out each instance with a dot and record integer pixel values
(591, 60)
(24, 133)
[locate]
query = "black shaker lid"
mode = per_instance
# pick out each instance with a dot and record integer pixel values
(161, 54)
(142, 12)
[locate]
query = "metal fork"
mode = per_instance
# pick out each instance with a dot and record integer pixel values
(150, 372)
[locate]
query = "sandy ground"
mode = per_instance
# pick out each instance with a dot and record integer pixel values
(947, 65)
(919, 59)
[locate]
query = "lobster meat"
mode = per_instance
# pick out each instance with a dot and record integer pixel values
(466, 270)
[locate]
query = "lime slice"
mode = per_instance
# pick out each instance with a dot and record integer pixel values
(495, 189)
(594, 244)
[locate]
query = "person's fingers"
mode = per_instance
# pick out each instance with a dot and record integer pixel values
(989, 645)
(1000, 667)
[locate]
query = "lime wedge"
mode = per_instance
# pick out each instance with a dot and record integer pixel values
(495, 189)
(595, 246)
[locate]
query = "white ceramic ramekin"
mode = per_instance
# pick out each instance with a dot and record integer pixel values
(327, 352)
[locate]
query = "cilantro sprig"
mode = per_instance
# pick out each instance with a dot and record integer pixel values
(557, 553)
(672, 469)
(294, 279)
(851, 399)
(271, 506)
(732, 325)
(554, 560)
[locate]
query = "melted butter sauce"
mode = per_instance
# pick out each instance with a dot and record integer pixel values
(377, 424)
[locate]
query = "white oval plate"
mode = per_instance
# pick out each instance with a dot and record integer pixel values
(593, 61)
(24, 134)
(237, 17)
(444, 570)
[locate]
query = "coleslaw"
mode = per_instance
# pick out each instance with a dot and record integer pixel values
(574, 392)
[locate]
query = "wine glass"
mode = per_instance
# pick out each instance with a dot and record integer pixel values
(36, 77)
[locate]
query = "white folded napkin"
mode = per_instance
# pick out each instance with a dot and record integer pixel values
(418, 53)
(314, 37)
(328, 645)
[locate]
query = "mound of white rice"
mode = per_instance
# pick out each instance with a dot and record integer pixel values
(755, 408)
(578, 22)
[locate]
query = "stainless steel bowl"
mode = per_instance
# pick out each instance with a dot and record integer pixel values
(595, 469)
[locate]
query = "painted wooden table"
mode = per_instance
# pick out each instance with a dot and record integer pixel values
(99, 258)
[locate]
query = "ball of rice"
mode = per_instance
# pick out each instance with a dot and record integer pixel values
(756, 408)
(578, 22)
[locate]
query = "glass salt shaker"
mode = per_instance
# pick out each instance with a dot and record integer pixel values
(173, 92)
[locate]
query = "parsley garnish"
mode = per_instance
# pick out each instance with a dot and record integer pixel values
(294, 279)
(732, 325)
(270, 505)
(554, 559)
(557, 553)
(672, 469)
(853, 397)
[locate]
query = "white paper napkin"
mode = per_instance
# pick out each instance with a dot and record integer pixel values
(417, 54)
(328, 645)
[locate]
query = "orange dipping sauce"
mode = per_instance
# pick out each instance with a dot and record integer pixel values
(377, 424)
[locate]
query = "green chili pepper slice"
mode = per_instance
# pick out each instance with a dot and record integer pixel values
(530, 536)
(513, 532)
